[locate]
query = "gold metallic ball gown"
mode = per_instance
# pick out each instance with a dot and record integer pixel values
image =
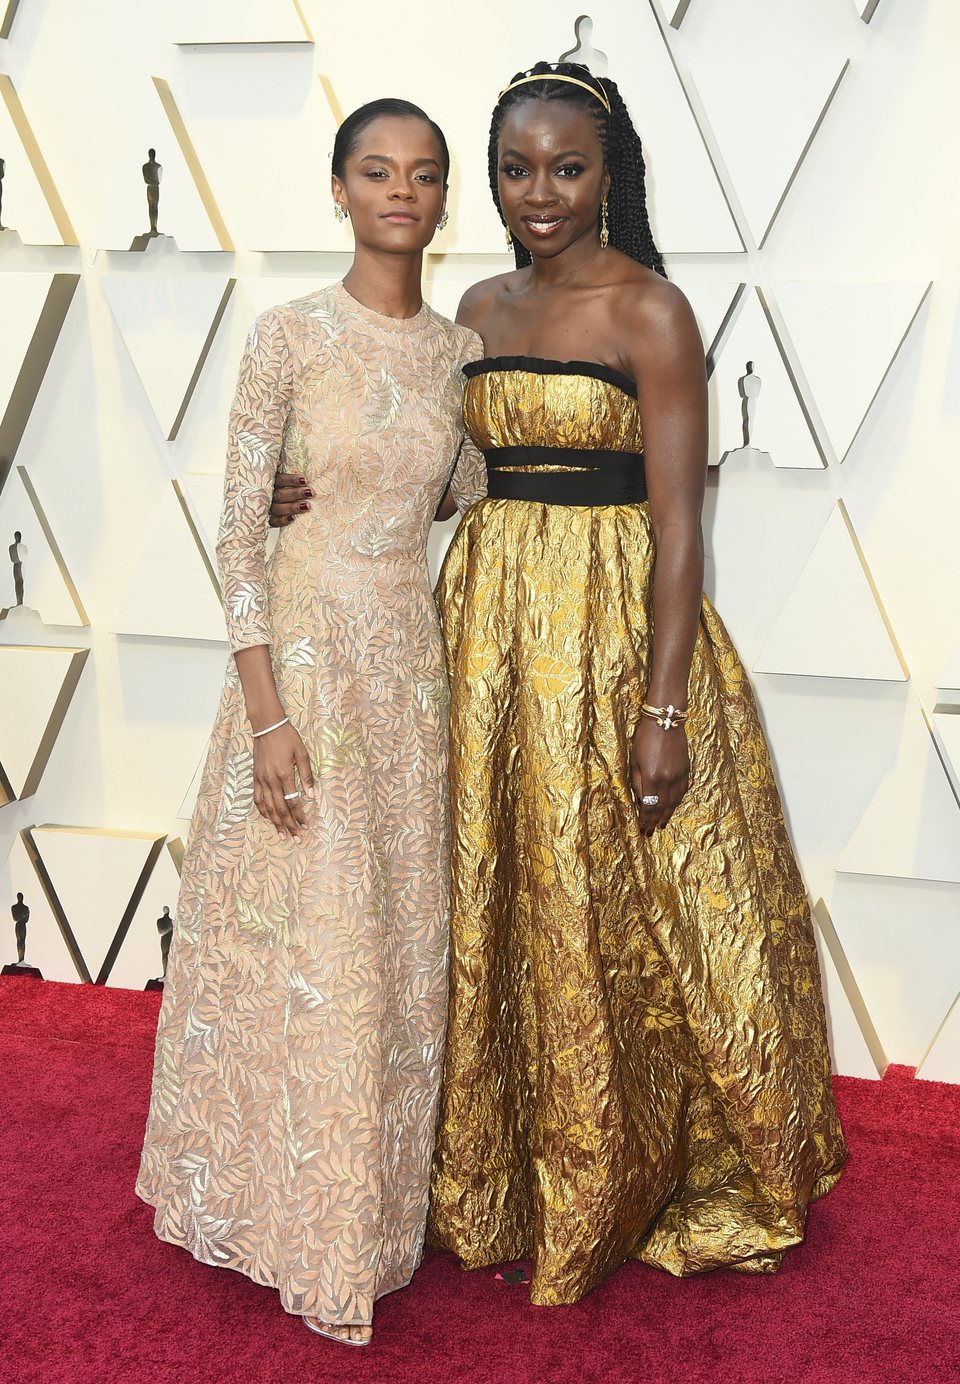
(636, 1057)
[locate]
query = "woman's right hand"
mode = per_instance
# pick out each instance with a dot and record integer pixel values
(279, 759)
(290, 497)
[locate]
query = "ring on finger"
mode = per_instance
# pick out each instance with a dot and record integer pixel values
(650, 799)
(288, 797)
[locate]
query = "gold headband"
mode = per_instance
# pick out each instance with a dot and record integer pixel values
(600, 95)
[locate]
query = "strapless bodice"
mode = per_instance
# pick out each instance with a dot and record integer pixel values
(523, 401)
(556, 432)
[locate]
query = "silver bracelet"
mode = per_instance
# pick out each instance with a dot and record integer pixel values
(266, 731)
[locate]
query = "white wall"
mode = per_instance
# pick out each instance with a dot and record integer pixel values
(793, 149)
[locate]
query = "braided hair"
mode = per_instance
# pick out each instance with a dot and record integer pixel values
(628, 222)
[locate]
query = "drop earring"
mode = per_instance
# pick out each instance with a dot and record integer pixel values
(506, 232)
(442, 220)
(340, 212)
(604, 228)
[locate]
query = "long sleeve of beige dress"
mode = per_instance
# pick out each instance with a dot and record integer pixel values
(301, 1036)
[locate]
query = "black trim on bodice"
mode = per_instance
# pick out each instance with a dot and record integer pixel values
(604, 477)
(601, 477)
(617, 480)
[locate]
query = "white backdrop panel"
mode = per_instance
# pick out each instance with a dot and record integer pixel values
(45, 947)
(900, 938)
(847, 335)
(859, 239)
(763, 98)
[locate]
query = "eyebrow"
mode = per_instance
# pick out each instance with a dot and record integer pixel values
(386, 158)
(567, 154)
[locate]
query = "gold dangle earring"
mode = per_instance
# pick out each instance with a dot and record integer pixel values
(506, 232)
(339, 212)
(604, 228)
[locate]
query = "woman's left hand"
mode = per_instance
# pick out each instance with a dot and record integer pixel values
(660, 768)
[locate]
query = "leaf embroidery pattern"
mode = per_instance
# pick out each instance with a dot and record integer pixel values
(297, 1064)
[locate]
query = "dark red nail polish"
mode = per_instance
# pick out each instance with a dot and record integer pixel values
(303, 507)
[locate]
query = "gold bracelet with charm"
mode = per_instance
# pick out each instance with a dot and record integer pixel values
(666, 717)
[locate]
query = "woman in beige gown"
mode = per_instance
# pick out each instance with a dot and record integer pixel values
(300, 1043)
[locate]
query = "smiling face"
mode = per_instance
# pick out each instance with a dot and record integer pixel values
(393, 185)
(551, 175)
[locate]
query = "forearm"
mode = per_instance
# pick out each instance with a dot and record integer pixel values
(677, 599)
(447, 507)
(264, 707)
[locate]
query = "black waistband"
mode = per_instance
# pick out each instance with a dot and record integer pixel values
(610, 478)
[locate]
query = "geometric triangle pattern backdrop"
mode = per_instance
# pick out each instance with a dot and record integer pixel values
(732, 114)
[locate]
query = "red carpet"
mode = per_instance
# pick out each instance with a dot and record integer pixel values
(90, 1295)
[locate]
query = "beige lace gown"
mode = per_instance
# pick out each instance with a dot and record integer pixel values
(300, 1043)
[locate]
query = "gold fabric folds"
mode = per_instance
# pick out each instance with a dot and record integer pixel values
(636, 1052)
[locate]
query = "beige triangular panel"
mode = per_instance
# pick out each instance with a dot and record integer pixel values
(31, 202)
(34, 580)
(911, 830)
(846, 336)
(192, 162)
(900, 938)
(760, 524)
(168, 322)
(34, 309)
(201, 498)
(946, 730)
(764, 100)
(96, 878)
(757, 408)
(24, 296)
(46, 946)
(832, 625)
(688, 209)
(170, 590)
(36, 688)
(269, 176)
(8, 10)
(942, 1060)
(185, 810)
(138, 954)
(855, 1048)
(950, 676)
(26, 208)
(226, 22)
(117, 190)
(711, 299)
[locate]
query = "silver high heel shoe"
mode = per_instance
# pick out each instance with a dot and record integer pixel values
(341, 1340)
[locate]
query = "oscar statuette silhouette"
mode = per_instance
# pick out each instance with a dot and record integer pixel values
(21, 916)
(165, 930)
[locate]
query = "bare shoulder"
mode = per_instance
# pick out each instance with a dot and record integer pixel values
(481, 299)
(647, 302)
(655, 320)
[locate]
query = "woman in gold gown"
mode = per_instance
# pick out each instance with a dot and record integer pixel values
(636, 1055)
